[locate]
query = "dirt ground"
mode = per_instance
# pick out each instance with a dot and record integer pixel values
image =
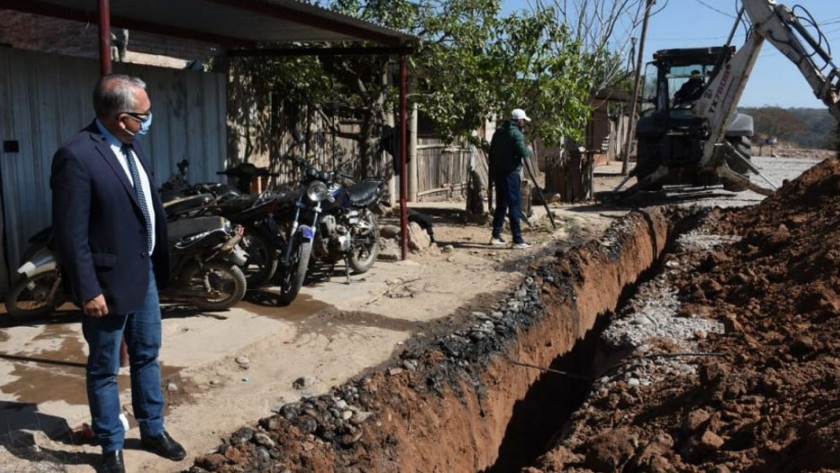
(764, 393)
(761, 399)
(761, 396)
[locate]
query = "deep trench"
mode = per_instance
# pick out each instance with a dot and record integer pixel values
(470, 406)
(546, 410)
(549, 405)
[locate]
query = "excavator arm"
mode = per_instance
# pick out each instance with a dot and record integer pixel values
(780, 26)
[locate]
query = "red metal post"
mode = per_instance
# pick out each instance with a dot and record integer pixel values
(105, 37)
(403, 157)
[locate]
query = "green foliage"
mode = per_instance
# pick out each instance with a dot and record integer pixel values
(454, 78)
(804, 127)
(470, 64)
(474, 65)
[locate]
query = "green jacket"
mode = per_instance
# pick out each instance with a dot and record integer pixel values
(507, 148)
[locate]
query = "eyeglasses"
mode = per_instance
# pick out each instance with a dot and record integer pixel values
(140, 117)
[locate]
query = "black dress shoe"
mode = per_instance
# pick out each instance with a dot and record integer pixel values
(164, 445)
(112, 462)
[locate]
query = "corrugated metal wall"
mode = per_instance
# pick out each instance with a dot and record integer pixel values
(45, 99)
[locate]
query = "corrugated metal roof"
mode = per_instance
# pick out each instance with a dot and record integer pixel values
(232, 22)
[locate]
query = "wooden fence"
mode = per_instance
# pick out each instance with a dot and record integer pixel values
(442, 170)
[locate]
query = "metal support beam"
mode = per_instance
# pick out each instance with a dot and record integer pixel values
(412, 155)
(105, 37)
(347, 51)
(57, 11)
(403, 156)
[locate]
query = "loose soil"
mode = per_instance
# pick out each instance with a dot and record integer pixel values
(765, 397)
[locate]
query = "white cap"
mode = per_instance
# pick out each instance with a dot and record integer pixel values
(519, 114)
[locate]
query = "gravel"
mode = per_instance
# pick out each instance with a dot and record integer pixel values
(653, 315)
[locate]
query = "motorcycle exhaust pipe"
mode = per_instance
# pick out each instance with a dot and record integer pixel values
(42, 261)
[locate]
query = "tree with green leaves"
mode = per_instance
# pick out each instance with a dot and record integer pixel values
(471, 64)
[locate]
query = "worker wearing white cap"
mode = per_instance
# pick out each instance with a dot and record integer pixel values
(507, 150)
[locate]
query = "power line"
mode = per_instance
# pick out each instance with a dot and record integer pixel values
(701, 2)
(683, 38)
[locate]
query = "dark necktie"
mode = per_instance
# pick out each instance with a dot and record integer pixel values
(138, 192)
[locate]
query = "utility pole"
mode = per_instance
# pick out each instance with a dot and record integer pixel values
(635, 99)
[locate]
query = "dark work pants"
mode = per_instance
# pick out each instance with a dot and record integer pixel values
(508, 200)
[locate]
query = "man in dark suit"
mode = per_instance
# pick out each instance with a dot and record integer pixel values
(110, 234)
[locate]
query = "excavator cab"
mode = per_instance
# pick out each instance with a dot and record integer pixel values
(668, 132)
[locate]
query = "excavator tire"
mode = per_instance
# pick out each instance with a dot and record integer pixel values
(744, 145)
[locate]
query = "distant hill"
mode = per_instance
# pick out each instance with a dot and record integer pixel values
(802, 127)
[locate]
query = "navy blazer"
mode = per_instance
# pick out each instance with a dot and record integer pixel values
(99, 229)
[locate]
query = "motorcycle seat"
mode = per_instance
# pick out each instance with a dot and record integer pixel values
(186, 204)
(237, 204)
(186, 227)
(364, 193)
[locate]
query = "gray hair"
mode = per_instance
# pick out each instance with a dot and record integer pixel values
(114, 93)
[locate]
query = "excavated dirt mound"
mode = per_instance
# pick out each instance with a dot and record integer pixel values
(764, 394)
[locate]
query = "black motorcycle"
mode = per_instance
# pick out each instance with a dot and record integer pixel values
(349, 224)
(330, 223)
(298, 217)
(253, 212)
(205, 269)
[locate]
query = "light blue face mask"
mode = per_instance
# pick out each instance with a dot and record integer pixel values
(144, 124)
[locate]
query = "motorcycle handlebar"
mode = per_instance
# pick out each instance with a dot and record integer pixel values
(345, 176)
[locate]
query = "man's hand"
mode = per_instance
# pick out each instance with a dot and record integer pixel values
(96, 307)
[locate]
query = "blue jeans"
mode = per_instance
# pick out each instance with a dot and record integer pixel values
(142, 331)
(508, 200)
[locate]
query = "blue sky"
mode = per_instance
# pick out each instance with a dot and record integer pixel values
(775, 80)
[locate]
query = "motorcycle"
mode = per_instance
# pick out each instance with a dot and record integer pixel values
(254, 212)
(205, 269)
(342, 226)
(350, 226)
(297, 218)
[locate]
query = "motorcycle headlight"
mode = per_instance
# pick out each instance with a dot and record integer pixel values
(317, 191)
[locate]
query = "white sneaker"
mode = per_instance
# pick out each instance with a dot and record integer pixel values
(521, 246)
(497, 241)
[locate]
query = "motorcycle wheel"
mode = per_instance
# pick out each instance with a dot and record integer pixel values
(363, 256)
(223, 285)
(29, 297)
(291, 278)
(262, 258)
